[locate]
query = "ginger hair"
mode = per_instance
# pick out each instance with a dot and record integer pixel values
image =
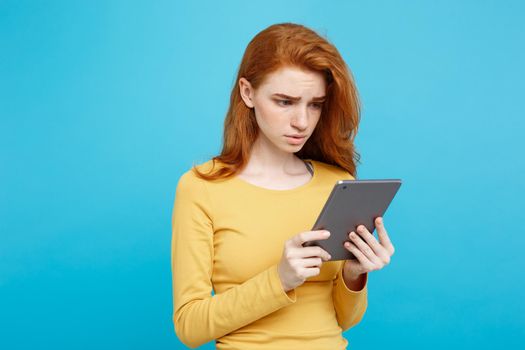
(289, 44)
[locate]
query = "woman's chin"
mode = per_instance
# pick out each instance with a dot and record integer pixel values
(293, 148)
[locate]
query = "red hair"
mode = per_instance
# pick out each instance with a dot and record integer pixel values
(288, 44)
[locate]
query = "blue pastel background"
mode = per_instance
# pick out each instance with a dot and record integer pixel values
(104, 104)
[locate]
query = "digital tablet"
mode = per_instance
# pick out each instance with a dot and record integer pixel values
(350, 204)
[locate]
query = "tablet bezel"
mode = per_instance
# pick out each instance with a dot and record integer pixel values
(335, 217)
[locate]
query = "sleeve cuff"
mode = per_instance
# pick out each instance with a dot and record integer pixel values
(345, 287)
(277, 287)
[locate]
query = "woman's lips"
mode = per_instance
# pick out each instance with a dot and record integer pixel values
(295, 140)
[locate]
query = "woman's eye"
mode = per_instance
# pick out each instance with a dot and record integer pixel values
(317, 105)
(284, 102)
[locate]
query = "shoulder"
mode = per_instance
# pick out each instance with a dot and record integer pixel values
(191, 197)
(192, 179)
(189, 181)
(333, 171)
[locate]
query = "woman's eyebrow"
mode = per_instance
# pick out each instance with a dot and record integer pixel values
(320, 98)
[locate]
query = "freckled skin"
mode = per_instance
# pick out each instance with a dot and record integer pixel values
(277, 116)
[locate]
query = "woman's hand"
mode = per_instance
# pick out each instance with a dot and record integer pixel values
(298, 262)
(371, 255)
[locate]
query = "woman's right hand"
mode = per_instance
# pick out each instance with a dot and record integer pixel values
(298, 262)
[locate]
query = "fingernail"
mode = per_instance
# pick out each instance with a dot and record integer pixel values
(327, 233)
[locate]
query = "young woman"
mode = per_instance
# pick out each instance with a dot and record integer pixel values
(240, 219)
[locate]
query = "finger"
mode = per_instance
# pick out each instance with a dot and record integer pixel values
(311, 262)
(313, 252)
(311, 271)
(308, 236)
(372, 242)
(363, 260)
(364, 248)
(383, 235)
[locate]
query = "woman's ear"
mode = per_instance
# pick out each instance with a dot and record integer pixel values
(247, 92)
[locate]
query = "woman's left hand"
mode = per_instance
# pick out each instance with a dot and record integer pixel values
(371, 255)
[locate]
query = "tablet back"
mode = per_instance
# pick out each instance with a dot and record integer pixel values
(350, 204)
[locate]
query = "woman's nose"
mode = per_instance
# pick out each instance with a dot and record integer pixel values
(300, 119)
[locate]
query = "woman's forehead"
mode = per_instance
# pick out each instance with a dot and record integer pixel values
(294, 81)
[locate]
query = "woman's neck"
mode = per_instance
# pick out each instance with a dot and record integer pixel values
(268, 161)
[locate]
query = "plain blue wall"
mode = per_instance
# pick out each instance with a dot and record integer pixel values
(104, 104)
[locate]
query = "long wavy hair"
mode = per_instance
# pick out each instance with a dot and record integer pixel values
(289, 44)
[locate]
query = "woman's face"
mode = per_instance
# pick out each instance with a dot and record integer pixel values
(287, 106)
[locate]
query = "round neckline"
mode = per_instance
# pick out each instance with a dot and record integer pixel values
(287, 191)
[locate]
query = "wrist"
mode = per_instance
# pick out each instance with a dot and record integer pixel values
(351, 278)
(349, 273)
(284, 286)
(354, 281)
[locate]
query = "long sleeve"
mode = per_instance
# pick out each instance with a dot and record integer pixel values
(350, 306)
(198, 316)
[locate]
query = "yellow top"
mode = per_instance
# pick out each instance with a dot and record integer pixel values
(228, 235)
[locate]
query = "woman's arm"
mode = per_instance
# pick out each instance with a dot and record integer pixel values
(350, 305)
(370, 254)
(198, 316)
